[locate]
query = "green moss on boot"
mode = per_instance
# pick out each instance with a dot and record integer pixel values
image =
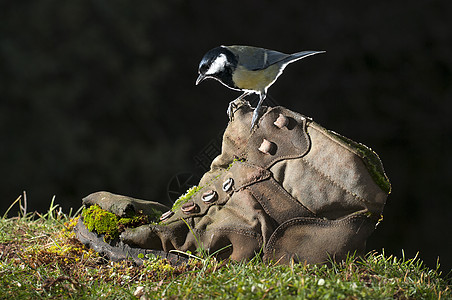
(185, 197)
(101, 221)
(110, 225)
(193, 190)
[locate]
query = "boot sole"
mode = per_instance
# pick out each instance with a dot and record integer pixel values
(116, 250)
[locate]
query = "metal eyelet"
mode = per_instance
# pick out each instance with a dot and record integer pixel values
(282, 121)
(267, 147)
(189, 207)
(227, 184)
(209, 196)
(166, 215)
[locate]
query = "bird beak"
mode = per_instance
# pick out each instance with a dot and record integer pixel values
(201, 77)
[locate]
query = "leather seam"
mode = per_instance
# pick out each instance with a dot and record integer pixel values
(333, 139)
(308, 221)
(243, 232)
(303, 127)
(262, 176)
(267, 211)
(289, 196)
(337, 184)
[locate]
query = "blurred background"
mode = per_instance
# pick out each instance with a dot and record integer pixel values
(100, 95)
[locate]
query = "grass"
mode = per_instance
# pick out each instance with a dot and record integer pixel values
(41, 259)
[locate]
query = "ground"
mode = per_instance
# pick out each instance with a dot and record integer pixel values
(41, 258)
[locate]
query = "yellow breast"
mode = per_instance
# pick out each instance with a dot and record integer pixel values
(255, 80)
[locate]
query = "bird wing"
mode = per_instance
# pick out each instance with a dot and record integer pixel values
(274, 57)
(254, 58)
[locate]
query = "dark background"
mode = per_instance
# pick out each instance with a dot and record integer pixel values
(100, 95)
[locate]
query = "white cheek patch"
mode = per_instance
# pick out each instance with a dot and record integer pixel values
(217, 65)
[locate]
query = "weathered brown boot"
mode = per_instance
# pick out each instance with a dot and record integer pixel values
(290, 190)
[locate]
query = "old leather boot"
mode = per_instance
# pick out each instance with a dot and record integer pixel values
(290, 190)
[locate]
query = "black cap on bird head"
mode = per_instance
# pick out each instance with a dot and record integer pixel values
(218, 63)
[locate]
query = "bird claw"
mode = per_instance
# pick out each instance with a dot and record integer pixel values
(234, 106)
(230, 111)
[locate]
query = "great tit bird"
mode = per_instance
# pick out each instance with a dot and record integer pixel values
(247, 69)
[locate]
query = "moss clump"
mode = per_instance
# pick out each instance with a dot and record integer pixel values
(136, 221)
(110, 225)
(101, 221)
(185, 197)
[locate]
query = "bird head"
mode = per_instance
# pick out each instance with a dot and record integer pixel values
(218, 64)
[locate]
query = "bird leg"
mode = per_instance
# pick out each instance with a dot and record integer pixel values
(234, 104)
(257, 111)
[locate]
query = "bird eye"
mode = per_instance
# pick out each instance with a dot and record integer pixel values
(203, 68)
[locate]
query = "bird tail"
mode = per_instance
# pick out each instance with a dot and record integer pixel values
(300, 55)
